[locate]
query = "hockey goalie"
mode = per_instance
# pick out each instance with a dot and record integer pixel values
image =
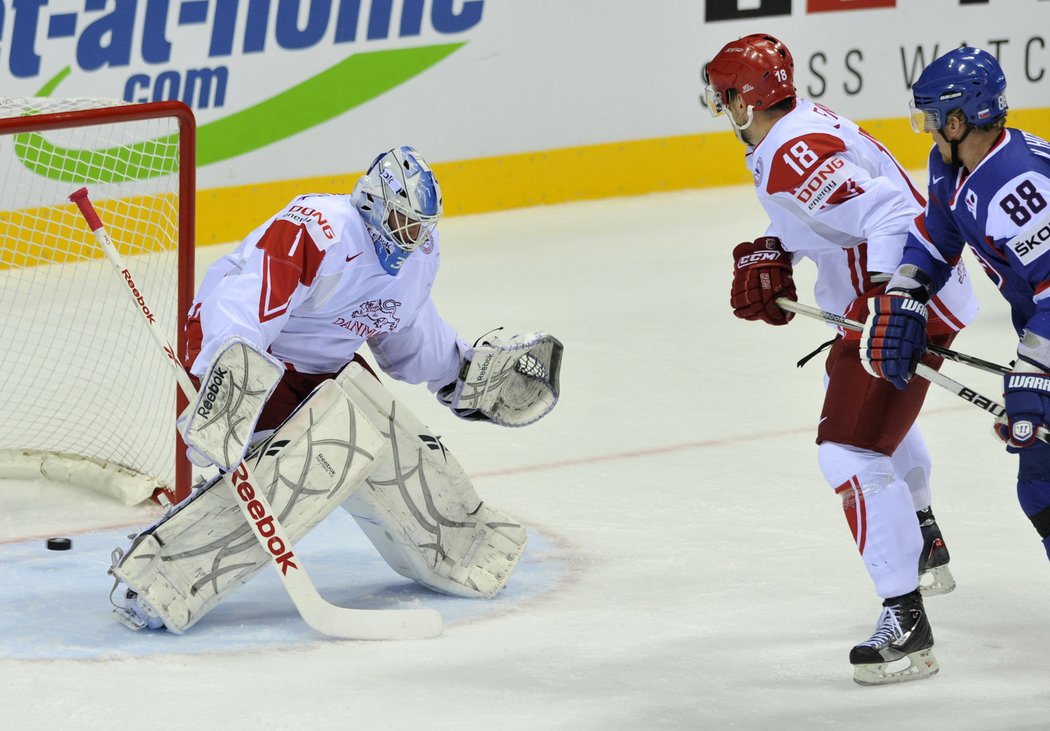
(274, 335)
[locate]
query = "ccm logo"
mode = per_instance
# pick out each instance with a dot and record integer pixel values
(758, 257)
(263, 521)
(138, 297)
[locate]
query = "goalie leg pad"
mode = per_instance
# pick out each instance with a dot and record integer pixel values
(233, 392)
(187, 562)
(420, 510)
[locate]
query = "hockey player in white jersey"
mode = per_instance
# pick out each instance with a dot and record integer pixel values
(273, 337)
(990, 190)
(836, 196)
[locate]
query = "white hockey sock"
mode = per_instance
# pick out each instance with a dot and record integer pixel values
(912, 462)
(879, 509)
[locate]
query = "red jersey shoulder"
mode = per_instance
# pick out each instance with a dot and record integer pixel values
(290, 258)
(811, 169)
(797, 159)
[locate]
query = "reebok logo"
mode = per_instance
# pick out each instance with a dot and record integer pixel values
(267, 447)
(435, 444)
(211, 393)
(326, 465)
(262, 522)
(138, 297)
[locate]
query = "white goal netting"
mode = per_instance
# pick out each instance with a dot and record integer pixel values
(85, 394)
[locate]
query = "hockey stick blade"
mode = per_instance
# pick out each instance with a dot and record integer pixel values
(924, 371)
(323, 616)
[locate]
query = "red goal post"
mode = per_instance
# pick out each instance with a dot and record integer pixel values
(85, 397)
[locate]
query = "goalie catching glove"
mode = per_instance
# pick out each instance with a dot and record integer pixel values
(508, 382)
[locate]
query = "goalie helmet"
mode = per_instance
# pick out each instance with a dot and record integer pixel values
(400, 200)
(758, 67)
(968, 79)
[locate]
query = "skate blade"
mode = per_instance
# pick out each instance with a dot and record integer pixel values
(936, 580)
(916, 666)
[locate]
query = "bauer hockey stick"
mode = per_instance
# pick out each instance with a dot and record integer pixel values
(921, 369)
(326, 618)
(946, 353)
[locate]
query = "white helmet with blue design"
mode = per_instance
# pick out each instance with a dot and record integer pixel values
(400, 200)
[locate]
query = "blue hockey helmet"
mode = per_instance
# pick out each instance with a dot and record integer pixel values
(968, 79)
(400, 200)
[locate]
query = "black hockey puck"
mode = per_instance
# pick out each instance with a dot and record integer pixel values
(59, 544)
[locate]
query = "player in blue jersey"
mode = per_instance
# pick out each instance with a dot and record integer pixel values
(989, 187)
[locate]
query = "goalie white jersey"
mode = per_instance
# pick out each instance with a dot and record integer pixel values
(835, 195)
(307, 287)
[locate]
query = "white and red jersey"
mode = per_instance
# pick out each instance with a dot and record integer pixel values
(307, 287)
(835, 195)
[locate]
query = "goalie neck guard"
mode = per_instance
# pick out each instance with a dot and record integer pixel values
(400, 200)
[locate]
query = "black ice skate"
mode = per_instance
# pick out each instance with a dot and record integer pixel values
(901, 647)
(934, 575)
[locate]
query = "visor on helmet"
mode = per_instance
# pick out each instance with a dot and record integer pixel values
(924, 120)
(712, 101)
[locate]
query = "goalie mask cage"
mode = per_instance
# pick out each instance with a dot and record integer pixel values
(85, 395)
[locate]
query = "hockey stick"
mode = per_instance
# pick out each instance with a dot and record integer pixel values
(921, 369)
(946, 353)
(326, 618)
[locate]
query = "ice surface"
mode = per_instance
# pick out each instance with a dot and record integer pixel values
(689, 568)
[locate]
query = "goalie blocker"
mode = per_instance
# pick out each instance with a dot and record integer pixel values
(219, 425)
(349, 442)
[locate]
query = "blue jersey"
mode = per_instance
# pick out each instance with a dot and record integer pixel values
(1002, 210)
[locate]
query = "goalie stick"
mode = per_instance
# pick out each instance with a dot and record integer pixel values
(921, 369)
(321, 615)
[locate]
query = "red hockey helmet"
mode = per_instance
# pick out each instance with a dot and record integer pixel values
(758, 67)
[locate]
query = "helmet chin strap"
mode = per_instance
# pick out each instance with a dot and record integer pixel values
(739, 129)
(954, 144)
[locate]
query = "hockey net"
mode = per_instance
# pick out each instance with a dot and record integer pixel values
(85, 394)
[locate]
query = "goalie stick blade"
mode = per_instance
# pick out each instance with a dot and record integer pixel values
(359, 624)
